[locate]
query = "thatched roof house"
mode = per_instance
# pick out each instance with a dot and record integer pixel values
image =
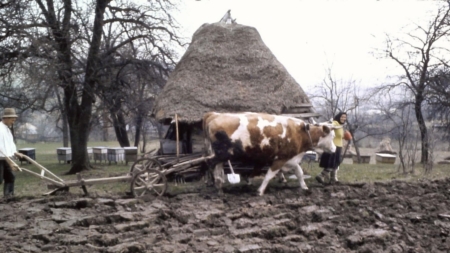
(228, 68)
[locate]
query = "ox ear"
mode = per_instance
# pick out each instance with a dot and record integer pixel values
(329, 127)
(326, 128)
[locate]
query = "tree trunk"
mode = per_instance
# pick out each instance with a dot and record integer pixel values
(140, 118)
(144, 140)
(65, 127)
(118, 121)
(105, 126)
(79, 118)
(422, 128)
(79, 115)
(120, 129)
(401, 147)
(138, 126)
(65, 130)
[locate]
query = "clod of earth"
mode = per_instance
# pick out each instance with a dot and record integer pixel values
(379, 217)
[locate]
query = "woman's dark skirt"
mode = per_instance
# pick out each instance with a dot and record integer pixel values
(331, 160)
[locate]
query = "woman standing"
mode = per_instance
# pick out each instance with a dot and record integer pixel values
(330, 161)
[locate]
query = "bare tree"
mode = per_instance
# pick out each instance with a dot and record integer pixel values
(396, 116)
(334, 95)
(69, 37)
(420, 55)
(439, 103)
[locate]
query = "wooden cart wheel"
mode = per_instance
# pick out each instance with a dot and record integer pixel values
(148, 182)
(145, 163)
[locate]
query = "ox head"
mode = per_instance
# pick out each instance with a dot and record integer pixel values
(326, 139)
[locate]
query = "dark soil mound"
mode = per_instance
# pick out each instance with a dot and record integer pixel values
(380, 217)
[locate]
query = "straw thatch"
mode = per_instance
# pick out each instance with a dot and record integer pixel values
(227, 68)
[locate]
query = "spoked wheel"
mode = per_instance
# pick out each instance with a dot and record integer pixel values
(148, 182)
(143, 164)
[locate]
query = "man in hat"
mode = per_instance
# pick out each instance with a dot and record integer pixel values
(7, 149)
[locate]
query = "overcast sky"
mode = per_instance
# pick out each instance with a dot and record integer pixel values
(308, 36)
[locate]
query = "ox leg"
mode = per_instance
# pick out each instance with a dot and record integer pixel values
(209, 165)
(257, 171)
(248, 180)
(281, 177)
(273, 170)
(269, 175)
(219, 177)
(299, 173)
(209, 178)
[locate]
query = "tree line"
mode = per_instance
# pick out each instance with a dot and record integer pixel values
(410, 107)
(87, 61)
(100, 61)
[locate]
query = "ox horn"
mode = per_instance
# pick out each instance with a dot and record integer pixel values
(313, 122)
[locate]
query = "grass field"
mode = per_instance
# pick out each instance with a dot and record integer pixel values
(31, 185)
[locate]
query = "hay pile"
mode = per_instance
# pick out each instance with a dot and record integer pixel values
(227, 68)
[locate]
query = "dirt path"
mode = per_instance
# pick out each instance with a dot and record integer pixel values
(381, 217)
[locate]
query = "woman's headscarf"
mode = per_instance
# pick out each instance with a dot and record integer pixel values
(338, 117)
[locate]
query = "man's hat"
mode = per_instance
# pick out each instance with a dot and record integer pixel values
(9, 113)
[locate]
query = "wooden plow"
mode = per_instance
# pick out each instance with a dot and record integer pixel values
(146, 176)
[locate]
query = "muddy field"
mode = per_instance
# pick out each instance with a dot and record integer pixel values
(380, 217)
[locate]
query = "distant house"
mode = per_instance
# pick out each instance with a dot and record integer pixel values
(27, 132)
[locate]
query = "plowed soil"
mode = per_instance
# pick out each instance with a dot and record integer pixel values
(380, 217)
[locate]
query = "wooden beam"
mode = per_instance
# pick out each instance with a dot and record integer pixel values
(302, 115)
(305, 105)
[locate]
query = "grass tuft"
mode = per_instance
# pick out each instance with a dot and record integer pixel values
(28, 185)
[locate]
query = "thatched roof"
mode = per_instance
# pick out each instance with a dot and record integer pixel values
(227, 68)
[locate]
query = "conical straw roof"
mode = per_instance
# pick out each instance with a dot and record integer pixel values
(227, 68)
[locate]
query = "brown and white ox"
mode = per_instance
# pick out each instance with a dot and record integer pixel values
(276, 140)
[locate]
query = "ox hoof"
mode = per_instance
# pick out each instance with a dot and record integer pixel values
(306, 192)
(284, 181)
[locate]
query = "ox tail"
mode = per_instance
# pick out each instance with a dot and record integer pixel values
(207, 141)
(209, 164)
